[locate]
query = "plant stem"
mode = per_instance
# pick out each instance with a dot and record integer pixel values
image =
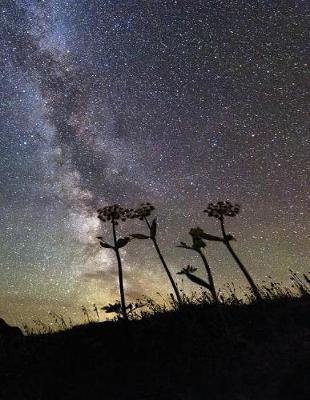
(218, 305)
(241, 266)
(210, 277)
(120, 274)
(173, 284)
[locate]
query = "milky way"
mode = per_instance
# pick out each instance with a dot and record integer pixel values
(175, 102)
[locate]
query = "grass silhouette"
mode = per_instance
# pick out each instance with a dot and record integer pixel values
(176, 353)
(217, 344)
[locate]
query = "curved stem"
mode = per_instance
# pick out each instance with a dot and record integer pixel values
(241, 266)
(173, 284)
(210, 277)
(120, 274)
(218, 305)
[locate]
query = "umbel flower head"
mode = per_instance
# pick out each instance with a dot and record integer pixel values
(114, 213)
(143, 211)
(222, 208)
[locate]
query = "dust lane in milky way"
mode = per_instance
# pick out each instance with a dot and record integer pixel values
(174, 102)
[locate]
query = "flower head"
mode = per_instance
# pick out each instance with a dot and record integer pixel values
(143, 211)
(114, 213)
(221, 208)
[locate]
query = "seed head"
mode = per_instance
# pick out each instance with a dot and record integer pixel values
(144, 210)
(221, 208)
(113, 213)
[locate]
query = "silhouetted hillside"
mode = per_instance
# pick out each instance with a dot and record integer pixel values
(174, 355)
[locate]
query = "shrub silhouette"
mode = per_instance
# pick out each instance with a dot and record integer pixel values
(142, 213)
(227, 209)
(114, 214)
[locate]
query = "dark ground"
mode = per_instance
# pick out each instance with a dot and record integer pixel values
(175, 355)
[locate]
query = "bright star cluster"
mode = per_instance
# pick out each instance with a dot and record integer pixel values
(177, 102)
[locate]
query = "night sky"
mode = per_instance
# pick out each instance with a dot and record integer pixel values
(174, 102)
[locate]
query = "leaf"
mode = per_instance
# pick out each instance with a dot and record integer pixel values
(229, 237)
(122, 242)
(106, 245)
(206, 236)
(199, 281)
(153, 229)
(198, 244)
(187, 270)
(183, 245)
(139, 236)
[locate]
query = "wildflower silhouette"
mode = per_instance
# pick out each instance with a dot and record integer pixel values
(116, 308)
(227, 209)
(114, 214)
(198, 235)
(142, 213)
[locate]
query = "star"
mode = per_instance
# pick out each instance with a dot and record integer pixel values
(175, 102)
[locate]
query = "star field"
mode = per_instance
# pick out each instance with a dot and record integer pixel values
(174, 102)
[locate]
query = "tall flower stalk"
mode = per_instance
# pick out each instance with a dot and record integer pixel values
(114, 214)
(219, 211)
(142, 213)
(198, 235)
(197, 246)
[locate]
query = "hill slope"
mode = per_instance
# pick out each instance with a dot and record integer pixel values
(179, 355)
